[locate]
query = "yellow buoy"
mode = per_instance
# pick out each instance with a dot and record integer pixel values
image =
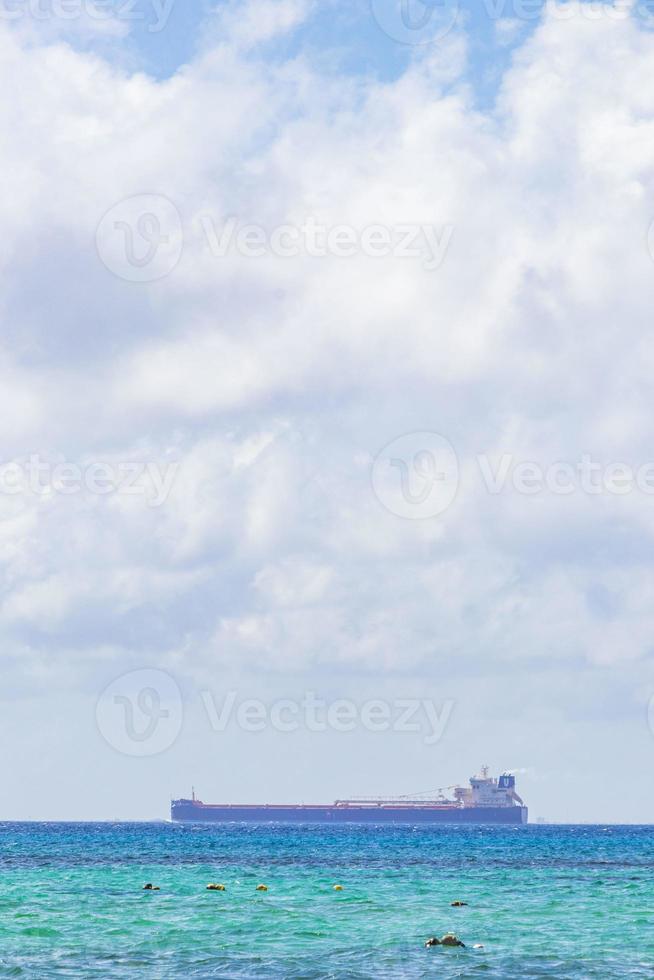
(262, 888)
(215, 887)
(338, 888)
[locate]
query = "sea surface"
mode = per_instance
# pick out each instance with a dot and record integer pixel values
(557, 901)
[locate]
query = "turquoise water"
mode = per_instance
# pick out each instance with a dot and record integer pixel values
(544, 901)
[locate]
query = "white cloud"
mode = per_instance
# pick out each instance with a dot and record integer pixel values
(248, 24)
(276, 381)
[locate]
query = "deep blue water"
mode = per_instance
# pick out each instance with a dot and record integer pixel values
(542, 901)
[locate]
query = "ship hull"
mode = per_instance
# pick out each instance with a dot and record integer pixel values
(187, 811)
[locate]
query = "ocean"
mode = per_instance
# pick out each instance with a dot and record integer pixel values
(559, 901)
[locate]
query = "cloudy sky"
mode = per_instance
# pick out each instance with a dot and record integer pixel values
(326, 370)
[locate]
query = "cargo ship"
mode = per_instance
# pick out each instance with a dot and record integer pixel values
(485, 801)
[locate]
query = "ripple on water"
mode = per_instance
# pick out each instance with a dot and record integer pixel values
(545, 902)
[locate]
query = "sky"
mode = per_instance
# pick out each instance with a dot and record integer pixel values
(326, 459)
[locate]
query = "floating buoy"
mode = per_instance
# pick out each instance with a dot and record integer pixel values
(338, 888)
(449, 939)
(262, 888)
(458, 905)
(150, 888)
(215, 887)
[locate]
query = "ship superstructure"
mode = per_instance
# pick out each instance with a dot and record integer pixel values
(485, 800)
(486, 791)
